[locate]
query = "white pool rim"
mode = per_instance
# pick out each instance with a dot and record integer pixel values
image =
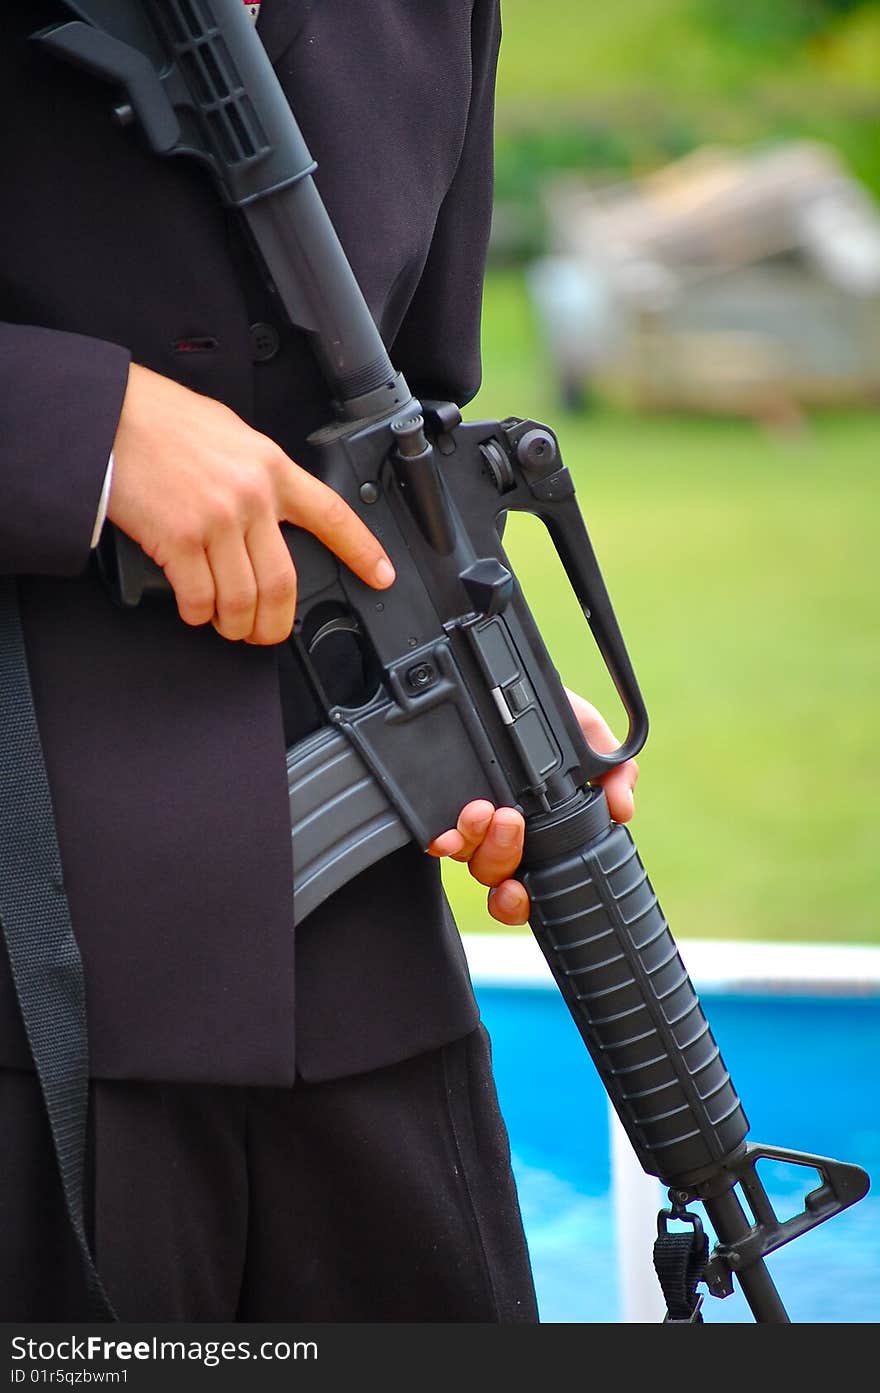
(714, 965)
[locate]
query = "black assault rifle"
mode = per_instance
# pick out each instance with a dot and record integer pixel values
(452, 658)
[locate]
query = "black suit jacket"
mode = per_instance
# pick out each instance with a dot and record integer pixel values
(164, 745)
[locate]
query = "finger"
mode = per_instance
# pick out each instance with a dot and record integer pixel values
(192, 581)
(500, 851)
(321, 511)
(447, 844)
(236, 604)
(596, 729)
(462, 841)
(509, 903)
(276, 582)
(619, 783)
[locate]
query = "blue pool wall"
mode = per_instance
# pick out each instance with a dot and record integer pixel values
(799, 1030)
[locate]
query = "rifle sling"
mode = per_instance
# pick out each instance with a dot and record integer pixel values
(47, 970)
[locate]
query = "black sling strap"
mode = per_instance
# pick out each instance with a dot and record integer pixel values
(35, 918)
(680, 1263)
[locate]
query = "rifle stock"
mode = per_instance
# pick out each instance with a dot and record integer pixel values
(451, 656)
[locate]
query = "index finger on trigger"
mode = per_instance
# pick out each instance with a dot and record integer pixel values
(319, 509)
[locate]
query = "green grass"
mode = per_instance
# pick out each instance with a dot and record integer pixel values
(743, 568)
(568, 51)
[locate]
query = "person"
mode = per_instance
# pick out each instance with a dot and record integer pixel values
(281, 1126)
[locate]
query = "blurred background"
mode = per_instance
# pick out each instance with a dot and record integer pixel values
(684, 282)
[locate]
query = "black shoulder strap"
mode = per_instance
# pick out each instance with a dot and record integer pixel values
(35, 918)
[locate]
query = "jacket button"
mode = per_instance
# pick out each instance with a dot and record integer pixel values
(265, 342)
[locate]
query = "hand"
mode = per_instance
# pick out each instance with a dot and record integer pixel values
(203, 494)
(490, 839)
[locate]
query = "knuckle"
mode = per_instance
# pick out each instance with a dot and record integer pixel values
(279, 588)
(184, 536)
(275, 461)
(195, 606)
(254, 494)
(238, 603)
(336, 512)
(221, 515)
(267, 632)
(190, 542)
(226, 415)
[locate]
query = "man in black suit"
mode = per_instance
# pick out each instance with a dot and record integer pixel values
(280, 1128)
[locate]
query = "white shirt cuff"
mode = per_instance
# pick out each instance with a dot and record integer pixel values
(103, 502)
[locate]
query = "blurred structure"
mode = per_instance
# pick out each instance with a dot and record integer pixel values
(728, 282)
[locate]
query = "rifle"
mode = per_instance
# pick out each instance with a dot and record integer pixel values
(451, 656)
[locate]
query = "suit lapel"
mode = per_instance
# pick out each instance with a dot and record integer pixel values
(280, 22)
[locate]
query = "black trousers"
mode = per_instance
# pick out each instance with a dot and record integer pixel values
(387, 1196)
